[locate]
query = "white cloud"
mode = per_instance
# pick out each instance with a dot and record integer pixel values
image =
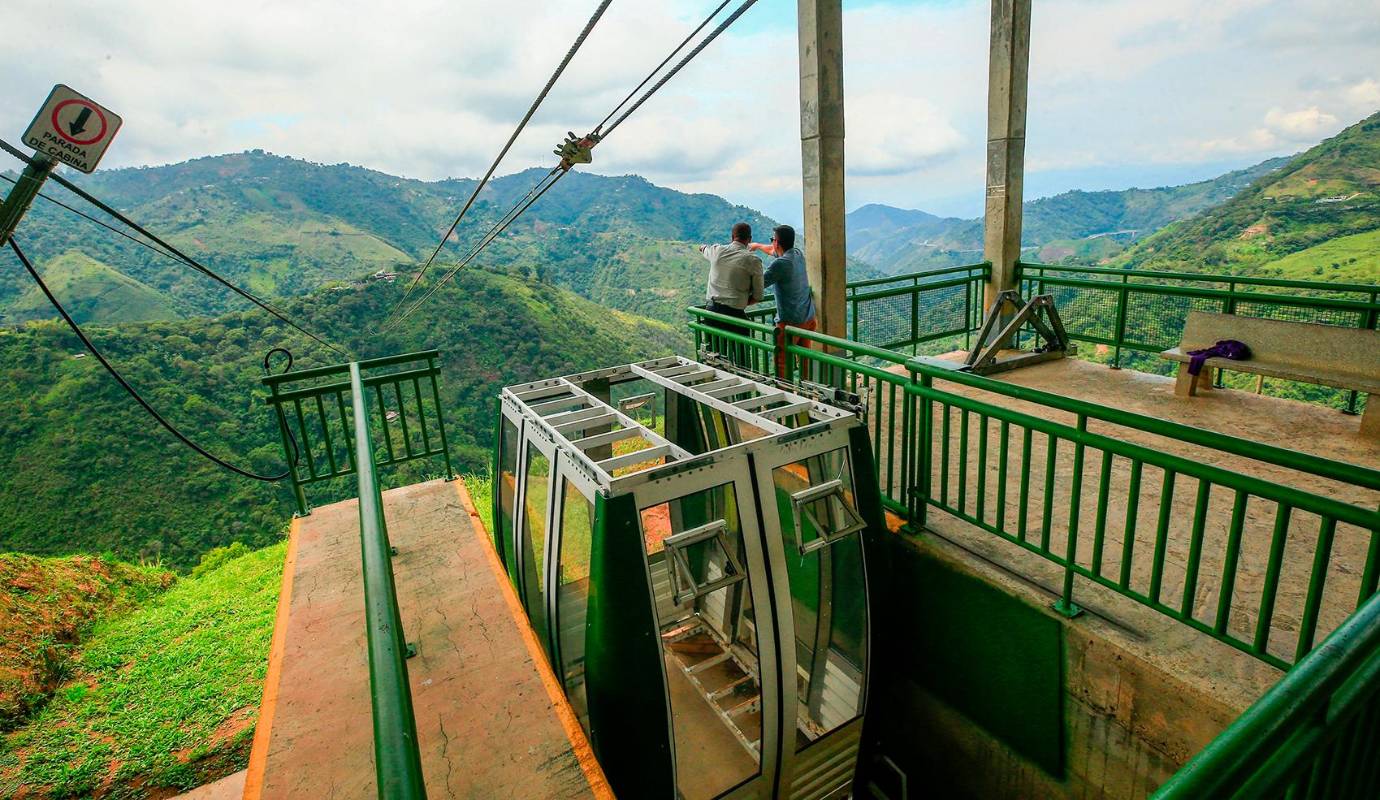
(432, 88)
(1305, 124)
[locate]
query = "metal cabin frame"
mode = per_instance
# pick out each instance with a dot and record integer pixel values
(564, 432)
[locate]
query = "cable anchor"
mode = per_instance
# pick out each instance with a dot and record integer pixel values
(576, 149)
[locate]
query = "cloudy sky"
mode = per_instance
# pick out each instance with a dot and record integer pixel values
(1123, 92)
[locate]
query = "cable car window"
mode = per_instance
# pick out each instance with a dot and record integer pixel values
(822, 515)
(709, 640)
(536, 491)
(828, 601)
(507, 488)
(572, 594)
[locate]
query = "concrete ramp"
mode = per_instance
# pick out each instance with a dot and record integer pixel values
(491, 718)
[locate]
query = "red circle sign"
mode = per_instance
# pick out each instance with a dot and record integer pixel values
(84, 104)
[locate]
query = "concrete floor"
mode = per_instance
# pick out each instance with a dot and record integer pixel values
(1289, 424)
(490, 718)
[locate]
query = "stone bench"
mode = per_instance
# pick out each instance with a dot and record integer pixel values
(1326, 355)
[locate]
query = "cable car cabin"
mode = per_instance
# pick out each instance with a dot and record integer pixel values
(690, 548)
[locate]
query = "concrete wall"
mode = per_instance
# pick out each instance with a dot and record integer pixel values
(1128, 718)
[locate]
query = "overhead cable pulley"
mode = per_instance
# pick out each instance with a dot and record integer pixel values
(576, 149)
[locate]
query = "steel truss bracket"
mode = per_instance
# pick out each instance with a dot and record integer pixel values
(1039, 313)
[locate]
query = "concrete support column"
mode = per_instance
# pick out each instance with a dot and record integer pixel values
(821, 151)
(1007, 77)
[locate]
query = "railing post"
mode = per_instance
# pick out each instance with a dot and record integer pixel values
(288, 450)
(440, 419)
(1065, 605)
(397, 759)
(926, 445)
(1123, 299)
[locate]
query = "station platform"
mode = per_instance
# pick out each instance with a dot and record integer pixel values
(491, 719)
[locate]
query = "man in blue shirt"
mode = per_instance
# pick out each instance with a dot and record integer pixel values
(788, 280)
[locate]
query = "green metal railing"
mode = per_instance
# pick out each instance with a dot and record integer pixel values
(397, 758)
(1312, 735)
(316, 430)
(1097, 491)
(897, 313)
(1157, 512)
(1144, 311)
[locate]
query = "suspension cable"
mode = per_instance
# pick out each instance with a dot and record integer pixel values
(532, 196)
(560, 171)
(723, 26)
(181, 256)
(541, 96)
(663, 63)
(114, 373)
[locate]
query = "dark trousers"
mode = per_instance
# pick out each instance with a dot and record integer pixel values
(733, 350)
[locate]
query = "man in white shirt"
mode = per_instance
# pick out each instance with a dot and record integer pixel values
(735, 279)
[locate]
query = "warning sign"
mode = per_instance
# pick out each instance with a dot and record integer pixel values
(72, 129)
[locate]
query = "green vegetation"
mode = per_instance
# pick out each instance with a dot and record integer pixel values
(284, 227)
(1073, 227)
(83, 469)
(47, 606)
(92, 292)
(1348, 259)
(1330, 192)
(161, 699)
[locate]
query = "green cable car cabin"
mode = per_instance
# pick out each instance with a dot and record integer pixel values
(691, 548)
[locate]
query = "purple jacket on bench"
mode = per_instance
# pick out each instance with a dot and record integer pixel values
(1227, 348)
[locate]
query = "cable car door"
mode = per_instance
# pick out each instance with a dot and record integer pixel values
(814, 546)
(531, 532)
(707, 569)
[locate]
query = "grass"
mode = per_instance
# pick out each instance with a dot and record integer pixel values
(162, 699)
(47, 606)
(1347, 259)
(481, 489)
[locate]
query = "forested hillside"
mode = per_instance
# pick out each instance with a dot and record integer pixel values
(1316, 218)
(284, 227)
(67, 431)
(1079, 226)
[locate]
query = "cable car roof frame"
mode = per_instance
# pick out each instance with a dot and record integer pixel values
(559, 421)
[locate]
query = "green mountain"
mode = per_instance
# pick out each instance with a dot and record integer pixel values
(285, 227)
(83, 469)
(96, 292)
(1314, 217)
(1086, 227)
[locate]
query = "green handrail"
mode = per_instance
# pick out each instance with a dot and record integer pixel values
(1267, 750)
(315, 428)
(397, 758)
(1204, 277)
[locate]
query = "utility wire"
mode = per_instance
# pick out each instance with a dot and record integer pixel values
(540, 190)
(541, 96)
(114, 373)
(160, 251)
(181, 256)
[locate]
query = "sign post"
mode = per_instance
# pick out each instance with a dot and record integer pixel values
(70, 129)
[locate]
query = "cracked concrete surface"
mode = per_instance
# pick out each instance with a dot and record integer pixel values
(486, 725)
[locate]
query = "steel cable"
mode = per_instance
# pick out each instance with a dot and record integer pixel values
(183, 257)
(114, 373)
(541, 96)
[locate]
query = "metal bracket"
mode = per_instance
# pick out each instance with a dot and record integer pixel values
(802, 502)
(684, 588)
(1039, 313)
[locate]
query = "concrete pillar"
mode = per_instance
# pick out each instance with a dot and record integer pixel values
(821, 151)
(1007, 76)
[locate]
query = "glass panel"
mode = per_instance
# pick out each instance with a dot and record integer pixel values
(828, 602)
(507, 490)
(572, 594)
(710, 646)
(535, 500)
